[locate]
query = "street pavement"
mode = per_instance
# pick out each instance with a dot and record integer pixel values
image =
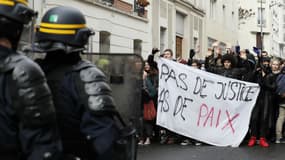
(206, 152)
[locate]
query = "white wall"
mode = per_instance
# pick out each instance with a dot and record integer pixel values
(224, 25)
(165, 16)
(277, 34)
(249, 27)
(124, 28)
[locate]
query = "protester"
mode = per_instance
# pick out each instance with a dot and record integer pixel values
(275, 68)
(168, 137)
(168, 54)
(217, 54)
(149, 96)
(191, 55)
(260, 118)
(150, 58)
(281, 96)
(229, 68)
(264, 54)
(195, 63)
(27, 116)
(249, 76)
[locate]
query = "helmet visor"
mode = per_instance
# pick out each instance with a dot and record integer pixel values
(27, 37)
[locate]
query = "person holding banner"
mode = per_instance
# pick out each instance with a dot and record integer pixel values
(195, 63)
(168, 54)
(168, 137)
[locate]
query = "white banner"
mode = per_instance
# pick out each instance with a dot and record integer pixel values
(204, 106)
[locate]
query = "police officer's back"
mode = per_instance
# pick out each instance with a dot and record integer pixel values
(27, 117)
(82, 97)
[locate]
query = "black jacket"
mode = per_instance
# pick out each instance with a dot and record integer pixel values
(27, 115)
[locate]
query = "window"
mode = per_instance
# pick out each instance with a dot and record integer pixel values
(199, 43)
(104, 42)
(233, 17)
(223, 46)
(274, 13)
(178, 46)
(196, 23)
(261, 17)
(212, 8)
(163, 9)
(195, 42)
(180, 24)
(179, 33)
(162, 38)
(210, 42)
(258, 40)
(224, 14)
(107, 2)
(137, 46)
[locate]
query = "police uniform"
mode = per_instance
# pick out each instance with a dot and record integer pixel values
(82, 97)
(27, 115)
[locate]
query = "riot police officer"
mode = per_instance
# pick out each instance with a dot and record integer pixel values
(82, 98)
(27, 115)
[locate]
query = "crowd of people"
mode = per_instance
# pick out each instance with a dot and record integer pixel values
(61, 107)
(267, 118)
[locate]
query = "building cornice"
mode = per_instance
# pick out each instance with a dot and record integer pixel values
(192, 7)
(264, 32)
(93, 2)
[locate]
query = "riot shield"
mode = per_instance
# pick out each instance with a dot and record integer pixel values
(124, 74)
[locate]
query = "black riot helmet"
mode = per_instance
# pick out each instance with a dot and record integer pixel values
(14, 14)
(63, 28)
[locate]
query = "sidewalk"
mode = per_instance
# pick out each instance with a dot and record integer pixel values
(205, 152)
